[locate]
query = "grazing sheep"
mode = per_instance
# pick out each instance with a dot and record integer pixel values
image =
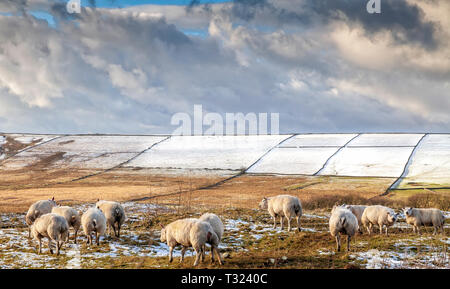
(425, 217)
(114, 213)
(342, 221)
(93, 220)
(357, 210)
(190, 232)
(52, 226)
(378, 215)
(72, 217)
(283, 206)
(38, 209)
(216, 224)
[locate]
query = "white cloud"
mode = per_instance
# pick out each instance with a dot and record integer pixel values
(128, 70)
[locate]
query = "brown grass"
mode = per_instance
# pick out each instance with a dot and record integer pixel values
(12, 146)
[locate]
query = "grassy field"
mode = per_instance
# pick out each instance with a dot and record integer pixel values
(249, 240)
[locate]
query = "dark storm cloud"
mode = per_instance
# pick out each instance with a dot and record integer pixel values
(404, 20)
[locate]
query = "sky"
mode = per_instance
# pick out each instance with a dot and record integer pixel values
(127, 67)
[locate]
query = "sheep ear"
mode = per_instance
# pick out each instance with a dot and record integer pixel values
(53, 198)
(98, 200)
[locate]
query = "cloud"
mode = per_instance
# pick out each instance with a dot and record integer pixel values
(129, 70)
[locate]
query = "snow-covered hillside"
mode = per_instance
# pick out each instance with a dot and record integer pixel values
(417, 158)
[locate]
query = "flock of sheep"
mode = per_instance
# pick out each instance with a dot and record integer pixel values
(347, 219)
(46, 219)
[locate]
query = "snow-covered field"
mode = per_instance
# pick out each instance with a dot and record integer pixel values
(365, 155)
(86, 151)
(370, 161)
(318, 140)
(2, 142)
(386, 140)
(431, 161)
(305, 161)
(207, 152)
(407, 253)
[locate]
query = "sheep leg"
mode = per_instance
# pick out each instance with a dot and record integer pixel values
(170, 254)
(118, 230)
(97, 238)
(212, 254)
(281, 221)
(338, 242)
(114, 228)
(218, 255)
(289, 223)
(369, 229)
(348, 242)
(197, 256)
(203, 253)
(274, 221)
(381, 229)
(418, 230)
(75, 238)
(386, 230)
(183, 250)
(40, 245)
(298, 224)
(29, 232)
(58, 246)
(50, 245)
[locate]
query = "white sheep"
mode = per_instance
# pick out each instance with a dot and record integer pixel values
(283, 206)
(358, 211)
(190, 232)
(38, 209)
(51, 226)
(378, 215)
(342, 221)
(93, 220)
(72, 217)
(425, 217)
(216, 224)
(114, 213)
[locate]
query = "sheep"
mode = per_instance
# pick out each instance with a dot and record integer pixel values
(38, 209)
(52, 226)
(283, 206)
(378, 215)
(190, 232)
(424, 217)
(93, 220)
(114, 213)
(357, 210)
(342, 221)
(72, 216)
(216, 224)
